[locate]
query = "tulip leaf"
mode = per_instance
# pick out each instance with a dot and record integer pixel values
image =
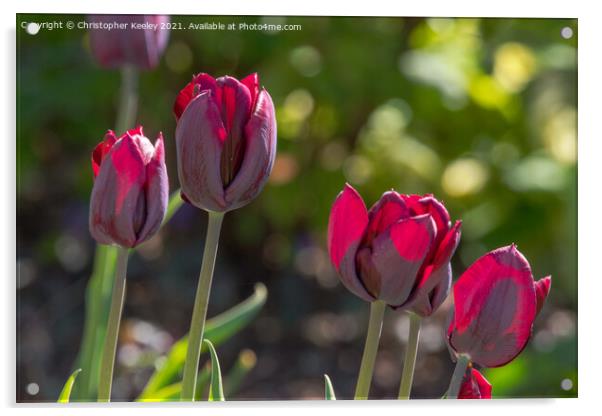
(216, 389)
(175, 202)
(329, 391)
(66, 392)
(172, 392)
(244, 364)
(217, 329)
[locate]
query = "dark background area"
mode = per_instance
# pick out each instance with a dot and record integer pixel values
(480, 112)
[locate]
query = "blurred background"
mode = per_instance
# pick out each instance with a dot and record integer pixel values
(480, 112)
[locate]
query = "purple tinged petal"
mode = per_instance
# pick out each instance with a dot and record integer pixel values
(494, 304)
(347, 223)
(157, 192)
(397, 255)
(474, 386)
(117, 195)
(199, 142)
(259, 156)
(542, 288)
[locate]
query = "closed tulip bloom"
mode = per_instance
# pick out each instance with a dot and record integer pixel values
(225, 139)
(474, 386)
(114, 48)
(130, 192)
(496, 301)
(398, 252)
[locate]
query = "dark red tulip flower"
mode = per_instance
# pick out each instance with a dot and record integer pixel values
(398, 252)
(225, 139)
(474, 386)
(115, 47)
(495, 304)
(130, 192)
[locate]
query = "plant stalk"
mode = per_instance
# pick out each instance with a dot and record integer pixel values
(409, 362)
(128, 100)
(199, 313)
(377, 311)
(456, 380)
(110, 345)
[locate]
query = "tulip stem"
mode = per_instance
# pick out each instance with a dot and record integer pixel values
(456, 380)
(128, 100)
(199, 313)
(409, 362)
(110, 345)
(377, 311)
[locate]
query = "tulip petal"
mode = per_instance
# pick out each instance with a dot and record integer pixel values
(494, 302)
(199, 83)
(429, 205)
(474, 386)
(388, 210)
(235, 108)
(199, 137)
(156, 193)
(542, 288)
(116, 196)
(346, 225)
(252, 83)
(101, 150)
(397, 255)
(424, 300)
(259, 154)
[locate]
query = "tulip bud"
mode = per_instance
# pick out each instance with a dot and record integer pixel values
(225, 139)
(474, 386)
(398, 252)
(116, 47)
(130, 192)
(495, 304)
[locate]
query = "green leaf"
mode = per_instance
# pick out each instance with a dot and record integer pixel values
(244, 364)
(98, 300)
(172, 392)
(66, 392)
(329, 391)
(216, 390)
(175, 202)
(217, 329)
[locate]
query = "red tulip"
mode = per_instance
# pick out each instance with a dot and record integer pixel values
(115, 47)
(495, 304)
(130, 192)
(398, 252)
(474, 386)
(226, 141)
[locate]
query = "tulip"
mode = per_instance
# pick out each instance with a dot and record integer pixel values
(225, 139)
(115, 47)
(398, 252)
(474, 386)
(496, 301)
(130, 192)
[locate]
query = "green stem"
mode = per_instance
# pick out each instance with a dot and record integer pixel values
(456, 380)
(377, 311)
(128, 100)
(199, 313)
(110, 344)
(409, 362)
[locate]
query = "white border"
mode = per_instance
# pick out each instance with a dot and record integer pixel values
(590, 225)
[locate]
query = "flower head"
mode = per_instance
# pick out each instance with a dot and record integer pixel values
(226, 141)
(130, 192)
(398, 252)
(496, 301)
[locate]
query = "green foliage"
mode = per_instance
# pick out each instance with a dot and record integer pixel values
(328, 390)
(216, 389)
(217, 329)
(66, 392)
